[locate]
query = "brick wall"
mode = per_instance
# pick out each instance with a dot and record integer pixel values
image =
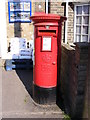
(58, 8)
(40, 6)
(70, 36)
(67, 69)
(24, 30)
(88, 87)
(75, 65)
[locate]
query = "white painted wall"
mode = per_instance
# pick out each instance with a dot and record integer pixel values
(3, 32)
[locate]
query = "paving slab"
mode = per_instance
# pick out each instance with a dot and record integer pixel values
(17, 101)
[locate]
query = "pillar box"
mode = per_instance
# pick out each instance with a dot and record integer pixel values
(47, 41)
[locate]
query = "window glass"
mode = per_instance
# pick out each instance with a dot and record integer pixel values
(85, 19)
(86, 9)
(79, 10)
(78, 38)
(85, 30)
(79, 20)
(78, 29)
(85, 38)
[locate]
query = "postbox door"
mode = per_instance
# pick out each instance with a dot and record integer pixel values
(46, 62)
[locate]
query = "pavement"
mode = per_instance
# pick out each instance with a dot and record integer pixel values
(0, 94)
(16, 97)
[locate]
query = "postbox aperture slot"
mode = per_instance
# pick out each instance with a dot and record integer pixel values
(46, 43)
(47, 32)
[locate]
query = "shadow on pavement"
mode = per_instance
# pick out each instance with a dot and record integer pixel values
(26, 77)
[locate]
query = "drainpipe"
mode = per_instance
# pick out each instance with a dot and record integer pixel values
(46, 6)
(66, 23)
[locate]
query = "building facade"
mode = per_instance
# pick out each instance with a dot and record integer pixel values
(75, 29)
(78, 19)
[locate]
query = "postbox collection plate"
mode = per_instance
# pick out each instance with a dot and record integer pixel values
(46, 43)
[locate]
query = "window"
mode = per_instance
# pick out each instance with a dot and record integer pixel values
(82, 23)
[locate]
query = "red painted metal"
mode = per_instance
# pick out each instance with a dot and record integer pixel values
(47, 26)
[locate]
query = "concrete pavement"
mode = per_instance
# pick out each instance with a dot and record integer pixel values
(0, 94)
(17, 99)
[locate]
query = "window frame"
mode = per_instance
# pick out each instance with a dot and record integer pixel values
(75, 5)
(18, 11)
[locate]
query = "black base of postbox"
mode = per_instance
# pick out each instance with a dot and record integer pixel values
(45, 96)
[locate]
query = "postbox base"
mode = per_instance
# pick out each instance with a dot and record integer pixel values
(44, 95)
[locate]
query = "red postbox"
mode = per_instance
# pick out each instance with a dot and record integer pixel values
(47, 41)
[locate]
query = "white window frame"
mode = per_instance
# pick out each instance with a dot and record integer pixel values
(75, 5)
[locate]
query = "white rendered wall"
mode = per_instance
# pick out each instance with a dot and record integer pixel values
(3, 32)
